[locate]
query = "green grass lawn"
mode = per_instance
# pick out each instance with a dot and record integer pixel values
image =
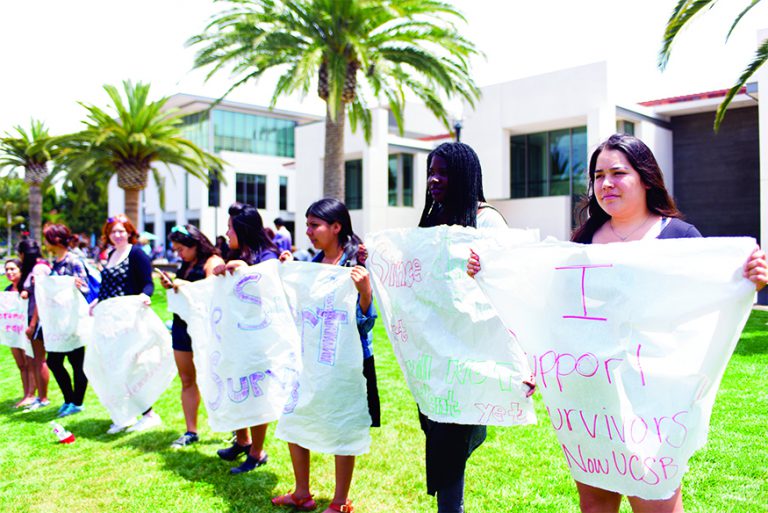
(518, 469)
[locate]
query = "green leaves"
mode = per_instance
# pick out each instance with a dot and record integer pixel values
(396, 45)
(686, 10)
(136, 134)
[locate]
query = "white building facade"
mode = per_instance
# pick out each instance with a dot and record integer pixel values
(258, 147)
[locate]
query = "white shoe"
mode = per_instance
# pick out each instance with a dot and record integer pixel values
(147, 421)
(116, 428)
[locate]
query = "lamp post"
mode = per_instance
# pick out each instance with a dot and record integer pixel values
(457, 129)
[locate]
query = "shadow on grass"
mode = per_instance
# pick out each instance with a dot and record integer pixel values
(754, 338)
(245, 492)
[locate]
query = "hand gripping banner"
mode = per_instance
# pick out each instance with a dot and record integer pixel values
(63, 313)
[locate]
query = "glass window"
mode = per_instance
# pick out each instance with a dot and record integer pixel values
(400, 180)
(194, 128)
(353, 184)
(283, 193)
(249, 133)
(559, 163)
(548, 163)
(392, 201)
(625, 127)
(251, 189)
(517, 149)
(407, 162)
(537, 165)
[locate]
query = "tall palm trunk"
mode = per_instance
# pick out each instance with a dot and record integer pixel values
(333, 169)
(132, 178)
(132, 205)
(35, 212)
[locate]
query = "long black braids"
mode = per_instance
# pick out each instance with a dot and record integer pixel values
(465, 187)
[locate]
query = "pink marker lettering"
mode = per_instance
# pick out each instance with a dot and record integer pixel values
(585, 316)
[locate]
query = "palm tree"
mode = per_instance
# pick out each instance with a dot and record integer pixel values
(14, 196)
(130, 143)
(31, 151)
(381, 49)
(683, 12)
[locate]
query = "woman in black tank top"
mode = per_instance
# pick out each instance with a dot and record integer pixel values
(199, 257)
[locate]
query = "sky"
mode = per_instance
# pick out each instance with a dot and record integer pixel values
(56, 53)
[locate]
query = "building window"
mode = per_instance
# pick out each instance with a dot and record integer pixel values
(400, 180)
(353, 184)
(251, 189)
(249, 133)
(549, 163)
(194, 128)
(214, 189)
(625, 127)
(283, 193)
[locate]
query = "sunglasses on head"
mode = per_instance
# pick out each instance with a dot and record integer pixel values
(117, 219)
(180, 229)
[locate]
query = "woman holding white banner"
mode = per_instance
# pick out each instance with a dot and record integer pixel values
(247, 237)
(628, 201)
(23, 362)
(329, 229)
(128, 272)
(199, 258)
(32, 265)
(65, 263)
(454, 197)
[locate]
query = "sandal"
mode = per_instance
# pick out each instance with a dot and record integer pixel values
(343, 508)
(290, 499)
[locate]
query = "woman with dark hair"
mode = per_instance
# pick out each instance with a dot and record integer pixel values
(23, 362)
(329, 228)
(198, 260)
(58, 239)
(32, 265)
(454, 197)
(248, 239)
(128, 271)
(628, 201)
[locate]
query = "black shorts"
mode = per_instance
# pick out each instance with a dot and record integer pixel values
(180, 339)
(374, 407)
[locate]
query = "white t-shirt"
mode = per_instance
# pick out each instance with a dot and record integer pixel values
(488, 217)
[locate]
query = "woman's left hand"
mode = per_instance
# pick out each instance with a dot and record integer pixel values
(531, 382)
(362, 254)
(756, 270)
(30, 332)
(79, 283)
(145, 299)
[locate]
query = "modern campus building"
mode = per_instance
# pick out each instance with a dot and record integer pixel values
(258, 147)
(533, 135)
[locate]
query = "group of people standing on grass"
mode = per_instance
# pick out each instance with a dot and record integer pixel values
(626, 201)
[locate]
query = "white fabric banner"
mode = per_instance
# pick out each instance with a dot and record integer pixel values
(628, 343)
(13, 321)
(460, 363)
(63, 313)
(129, 361)
(245, 344)
(331, 413)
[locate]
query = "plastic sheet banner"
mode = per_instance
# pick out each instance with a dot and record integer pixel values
(129, 362)
(13, 321)
(460, 363)
(63, 312)
(330, 414)
(245, 345)
(628, 343)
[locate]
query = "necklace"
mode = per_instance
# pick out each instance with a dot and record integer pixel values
(624, 238)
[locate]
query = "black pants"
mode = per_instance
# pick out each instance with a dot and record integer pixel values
(72, 394)
(448, 446)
